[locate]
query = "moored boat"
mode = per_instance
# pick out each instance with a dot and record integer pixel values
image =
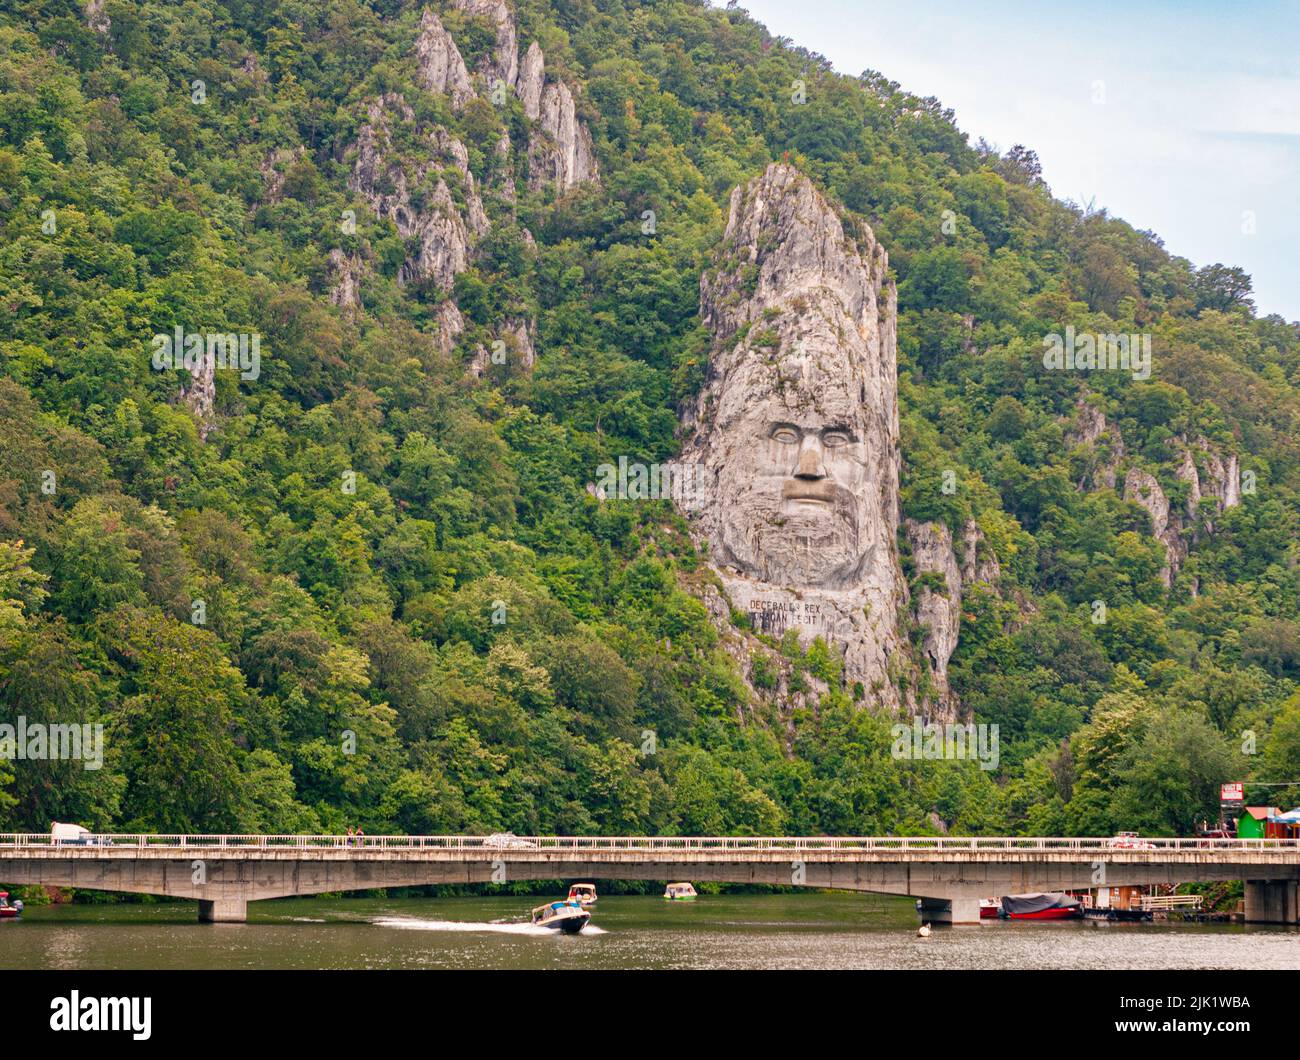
(566, 916)
(8, 909)
(1113, 913)
(679, 892)
(990, 908)
(583, 893)
(1042, 905)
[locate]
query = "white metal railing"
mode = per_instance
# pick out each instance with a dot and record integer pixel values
(659, 844)
(1172, 901)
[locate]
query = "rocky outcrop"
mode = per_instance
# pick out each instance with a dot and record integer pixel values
(937, 607)
(439, 66)
(199, 395)
(946, 570)
(505, 63)
(451, 325)
(1106, 446)
(978, 562)
(1210, 475)
(95, 17)
(1144, 489)
(345, 283)
(791, 449)
(515, 336)
(532, 77)
(434, 223)
(560, 150)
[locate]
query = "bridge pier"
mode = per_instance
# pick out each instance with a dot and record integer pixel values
(223, 911)
(1272, 902)
(950, 910)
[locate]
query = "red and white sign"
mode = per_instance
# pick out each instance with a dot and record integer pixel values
(1232, 793)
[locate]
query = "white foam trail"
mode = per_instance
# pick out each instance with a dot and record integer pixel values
(413, 924)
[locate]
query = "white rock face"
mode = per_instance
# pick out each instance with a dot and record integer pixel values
(937, 608)
(95, 17)
(1091, 429)
(532, 78)
(440, 67)
(200, 395)
(451, 325)
(795, 434)
(506, 65)
(345, 290)
(1142, 487)
(1178, 530)
(442, 235)
(978, 563)
(560, 153)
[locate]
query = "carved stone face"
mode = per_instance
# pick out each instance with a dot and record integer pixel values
(796, 484)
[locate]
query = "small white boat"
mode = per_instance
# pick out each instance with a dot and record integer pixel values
(679, 892)
(583, 893)
(568, 917)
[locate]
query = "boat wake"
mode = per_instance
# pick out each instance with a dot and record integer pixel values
(404, 923)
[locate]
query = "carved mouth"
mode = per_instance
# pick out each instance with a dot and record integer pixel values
(820, 492)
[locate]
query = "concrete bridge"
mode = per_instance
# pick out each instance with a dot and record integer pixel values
(226, 872)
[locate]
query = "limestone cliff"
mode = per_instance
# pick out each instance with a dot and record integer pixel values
(1100, 441)
(1210, 475)
(504, 64)
(439, 66)
(794, 438)
(412, 191)
(560, 151)
(946, 570)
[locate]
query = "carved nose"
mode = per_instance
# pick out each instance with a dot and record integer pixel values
(810, 462)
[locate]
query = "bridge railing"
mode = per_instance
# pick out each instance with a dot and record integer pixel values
(651, 844)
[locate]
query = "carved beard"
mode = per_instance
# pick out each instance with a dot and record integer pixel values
(799, 545)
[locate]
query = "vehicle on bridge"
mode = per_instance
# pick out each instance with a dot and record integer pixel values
(679, 892)
(508, 841)
(568, 917)
(1130, 841)
(583, 893)
(73, 835)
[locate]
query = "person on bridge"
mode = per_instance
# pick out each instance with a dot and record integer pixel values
(351, 833)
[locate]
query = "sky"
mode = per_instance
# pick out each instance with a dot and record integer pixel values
(1179, 116)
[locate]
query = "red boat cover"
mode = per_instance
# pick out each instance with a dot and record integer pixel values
(1036, 903)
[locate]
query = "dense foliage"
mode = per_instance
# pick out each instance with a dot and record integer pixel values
(467, 640)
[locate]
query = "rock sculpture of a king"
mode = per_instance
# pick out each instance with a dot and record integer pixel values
(793, 440)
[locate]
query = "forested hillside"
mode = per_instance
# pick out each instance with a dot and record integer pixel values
(363, 582)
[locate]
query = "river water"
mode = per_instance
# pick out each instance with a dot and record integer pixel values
(810, 930)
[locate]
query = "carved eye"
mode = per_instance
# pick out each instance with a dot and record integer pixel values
(785, 435)
(834, 439)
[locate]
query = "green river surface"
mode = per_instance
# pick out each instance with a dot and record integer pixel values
(782, 931)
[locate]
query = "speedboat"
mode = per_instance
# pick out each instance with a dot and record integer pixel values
(583, 893)
(679, 892)
(9, 909)
(567, 916)
(990, 908)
